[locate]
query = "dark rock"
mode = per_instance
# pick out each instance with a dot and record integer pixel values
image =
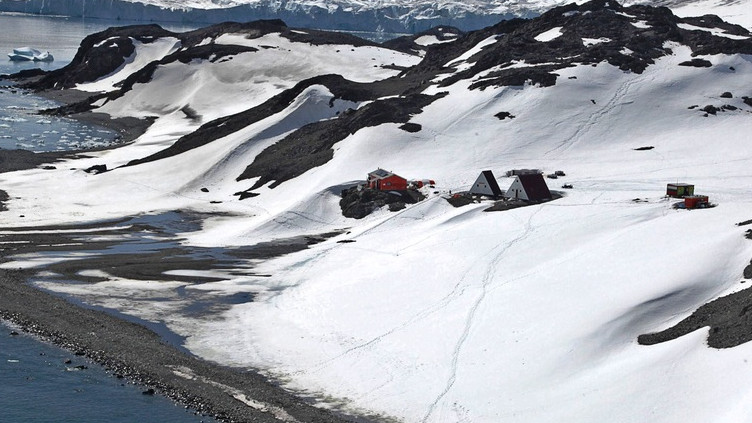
(694, 106)
(460, 199)
(13, 333)
(747, 100)
(729, 319)
(49, 167)
(710, 109)
(96, 169)
(727, 95)
(149, 391)
(242, 195)
(190, 113)
(645, 148)
(358, 202)
(407, 43)
(345, 241)
(504, 115)
(396, 206)
(311, 145)
(204, 189)
(411, 127)
(729, 107)
(697, 63)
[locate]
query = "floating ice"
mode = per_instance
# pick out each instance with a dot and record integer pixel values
(26, 54)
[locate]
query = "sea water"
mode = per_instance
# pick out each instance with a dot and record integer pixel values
(21, 126)
(41, 383)
(36, 383)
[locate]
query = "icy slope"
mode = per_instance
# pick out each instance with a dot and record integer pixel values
(436, 313)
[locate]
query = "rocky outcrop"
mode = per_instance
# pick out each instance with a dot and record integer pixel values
(516, 52)
(358, 202)
(630, 38)
(311, 145)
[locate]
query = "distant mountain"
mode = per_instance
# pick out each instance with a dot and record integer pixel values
(439, 311)
(392, 16)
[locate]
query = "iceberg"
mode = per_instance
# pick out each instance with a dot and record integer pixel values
(24, 54)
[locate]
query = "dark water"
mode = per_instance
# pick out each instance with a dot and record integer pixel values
(37, 386)
(20, 125)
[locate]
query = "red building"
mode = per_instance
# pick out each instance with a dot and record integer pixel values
(696, 201)
(383, 180)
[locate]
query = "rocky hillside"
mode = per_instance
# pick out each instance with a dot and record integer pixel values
(517, 52)
(258, 129)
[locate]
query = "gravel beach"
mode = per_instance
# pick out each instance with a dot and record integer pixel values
(131, 351)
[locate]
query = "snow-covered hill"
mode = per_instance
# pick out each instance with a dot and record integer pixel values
(392, 16)
(436, 313)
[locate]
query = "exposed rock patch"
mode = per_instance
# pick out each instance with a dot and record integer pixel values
(408, 44)
(311, 145)
(697, 63)
(411, 127)
(358, 202)
(219, 128)
(504, 115)
(3, 198)
(729, 319)
(630, 38)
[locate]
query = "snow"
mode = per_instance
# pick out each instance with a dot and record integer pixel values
(594, 41)
(427, 40)
(472, 52)
(144, 54)
(715, 31)
(435, 313)
(736, 12)
(549, 35)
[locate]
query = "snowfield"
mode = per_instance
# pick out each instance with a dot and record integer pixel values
(434, 313)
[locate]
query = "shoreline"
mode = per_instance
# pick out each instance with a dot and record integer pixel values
(130, 350)
(127, 130)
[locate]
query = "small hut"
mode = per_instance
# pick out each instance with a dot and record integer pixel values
(529, 187)
(486, 185)
(383, 180)
(696, 201)
(680, 190)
